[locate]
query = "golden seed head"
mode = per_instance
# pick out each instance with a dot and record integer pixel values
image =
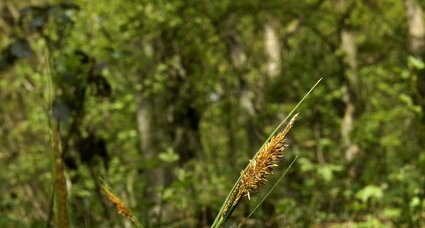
(121, 208)
(255, 175)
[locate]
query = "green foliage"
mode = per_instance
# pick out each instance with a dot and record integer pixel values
(168, 100)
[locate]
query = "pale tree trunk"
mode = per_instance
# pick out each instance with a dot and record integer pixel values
(154, 177)
(272, 49)
(348, 45)
(147, 141)
(149, 146)
(250, 92)
(351, 83)
(238, 60)
(237, 85)
(416, 27)
(416, 37)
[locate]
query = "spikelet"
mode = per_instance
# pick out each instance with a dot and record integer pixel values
(121, 208)
(255, 175)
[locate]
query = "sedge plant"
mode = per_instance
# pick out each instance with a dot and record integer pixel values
(259, 168)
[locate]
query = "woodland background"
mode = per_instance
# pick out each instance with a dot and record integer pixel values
(168, 100)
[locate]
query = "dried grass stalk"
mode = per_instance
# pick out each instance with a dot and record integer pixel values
(121, 208)
(60, 181)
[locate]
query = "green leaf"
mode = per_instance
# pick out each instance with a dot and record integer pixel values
(327, 171)
(415, 202)
(392, 212)
(415, 63)
(169, 156)
(371, 192)
(306, 165)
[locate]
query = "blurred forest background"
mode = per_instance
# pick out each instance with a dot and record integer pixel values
(168, 100)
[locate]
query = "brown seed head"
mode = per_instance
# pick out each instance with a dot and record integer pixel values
(121, 208)
(255, 175)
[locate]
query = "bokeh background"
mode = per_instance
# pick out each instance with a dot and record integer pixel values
(167, 101)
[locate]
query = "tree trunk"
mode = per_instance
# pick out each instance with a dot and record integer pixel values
(154, 177)
(272, 49)
(416, 27)
(351, 85)
(417, 46)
